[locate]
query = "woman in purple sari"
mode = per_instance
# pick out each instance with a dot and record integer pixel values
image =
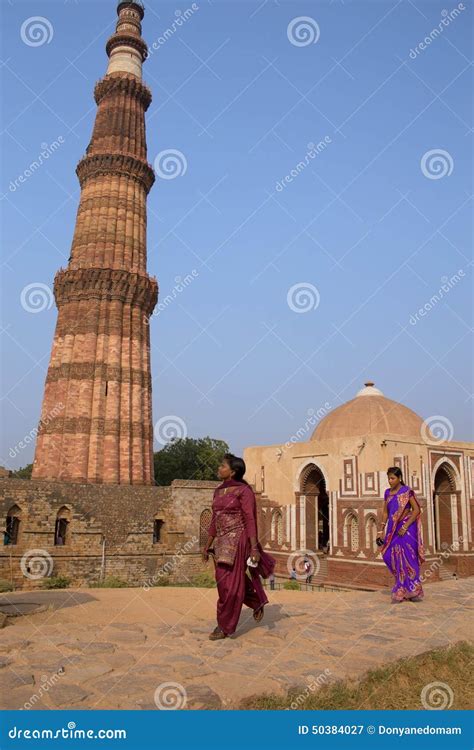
(403, 549)
(233, 531)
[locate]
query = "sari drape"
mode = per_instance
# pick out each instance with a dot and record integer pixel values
(234, 521)
(404, 554)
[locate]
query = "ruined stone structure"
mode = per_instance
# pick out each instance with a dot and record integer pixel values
(96, 420)
(324, 495)
(88, 532)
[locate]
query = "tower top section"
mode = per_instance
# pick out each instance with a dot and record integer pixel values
(128, 3)
(126, 48)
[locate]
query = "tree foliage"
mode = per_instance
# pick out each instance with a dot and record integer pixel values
(189, 458)
(23, 473)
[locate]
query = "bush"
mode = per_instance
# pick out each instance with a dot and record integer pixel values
(162, 581)
(56, 582)
(291, 585)
(110, 582)
(204, 580)
(5, 585)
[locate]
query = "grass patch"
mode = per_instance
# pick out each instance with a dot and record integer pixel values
(395, 686)
(204, 580)
(56, 582)
(200, 580)
(110, 582)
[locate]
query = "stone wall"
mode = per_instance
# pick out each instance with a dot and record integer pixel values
(122, 517)
(462, 564)
(110, 531)
(433, 569)
(358, 573)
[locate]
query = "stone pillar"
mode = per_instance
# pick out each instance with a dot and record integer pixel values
(302, 506)
(293, 526)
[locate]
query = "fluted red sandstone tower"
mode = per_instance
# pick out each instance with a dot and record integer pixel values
(96, 419)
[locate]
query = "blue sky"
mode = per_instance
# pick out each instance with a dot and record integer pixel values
(370, 228)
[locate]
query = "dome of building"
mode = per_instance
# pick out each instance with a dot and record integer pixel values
(369, 413)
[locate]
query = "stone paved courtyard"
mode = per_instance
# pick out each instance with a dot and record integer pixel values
(118, 648)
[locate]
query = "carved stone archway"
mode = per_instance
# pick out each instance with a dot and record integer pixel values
(446, 520)
(312, 488)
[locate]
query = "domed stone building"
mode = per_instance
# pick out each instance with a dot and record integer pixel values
(323, 497)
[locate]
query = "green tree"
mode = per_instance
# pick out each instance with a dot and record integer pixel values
(189, 458)
(23, 473)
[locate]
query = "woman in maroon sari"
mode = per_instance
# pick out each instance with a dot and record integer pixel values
(233, 531)
(403, 549)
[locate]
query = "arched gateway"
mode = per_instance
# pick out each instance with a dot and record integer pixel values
(316, 507)
(446, 520)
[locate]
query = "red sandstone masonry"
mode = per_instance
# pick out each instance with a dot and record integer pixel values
(96, 421)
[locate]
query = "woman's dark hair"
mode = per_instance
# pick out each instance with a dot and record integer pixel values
(237, 465)
(397, 472)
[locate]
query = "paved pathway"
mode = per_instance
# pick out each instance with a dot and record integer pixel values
(119, 648)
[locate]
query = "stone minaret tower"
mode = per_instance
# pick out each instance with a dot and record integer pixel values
(96, 419)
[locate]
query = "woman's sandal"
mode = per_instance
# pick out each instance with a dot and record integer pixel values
(217, 634)
(258, 614)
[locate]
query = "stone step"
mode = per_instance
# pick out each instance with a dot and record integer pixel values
(444, 568)
(322, 573)
(446, 572)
